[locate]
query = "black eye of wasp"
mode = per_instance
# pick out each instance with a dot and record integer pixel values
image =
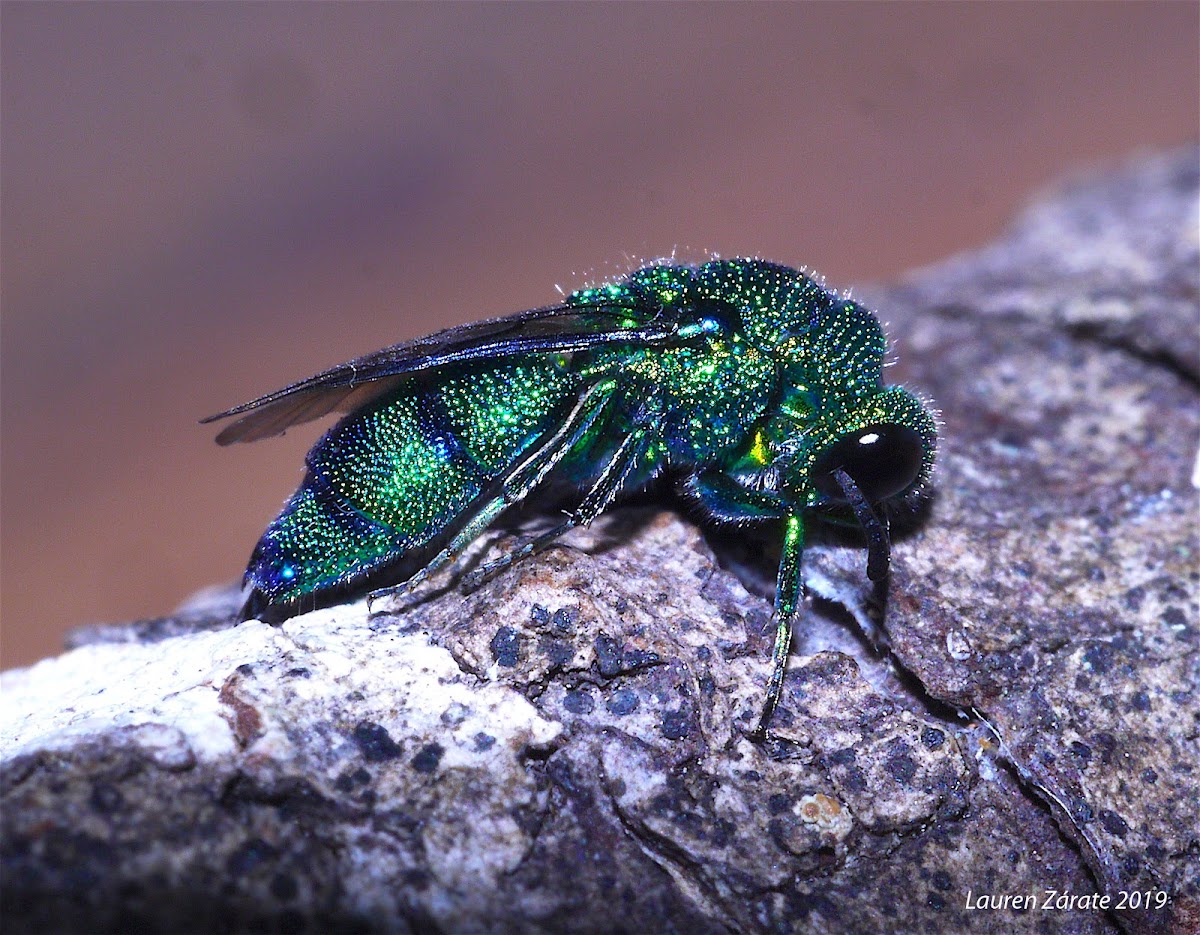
(883, 460)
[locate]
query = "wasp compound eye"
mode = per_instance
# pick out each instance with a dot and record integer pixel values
(883, 460)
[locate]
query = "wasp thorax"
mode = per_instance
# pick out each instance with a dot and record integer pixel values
(883, 460)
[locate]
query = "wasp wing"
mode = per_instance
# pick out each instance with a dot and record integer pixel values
(553, 329)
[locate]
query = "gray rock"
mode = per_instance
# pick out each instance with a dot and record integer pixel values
(565, 749)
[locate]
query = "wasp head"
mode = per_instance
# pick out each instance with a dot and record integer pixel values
(885, 444)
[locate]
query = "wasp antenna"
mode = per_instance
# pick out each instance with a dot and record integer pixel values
(879, 543)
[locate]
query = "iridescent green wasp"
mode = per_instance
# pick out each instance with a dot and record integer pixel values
(756, 388)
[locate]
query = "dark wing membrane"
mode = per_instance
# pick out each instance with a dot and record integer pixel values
(554, 329)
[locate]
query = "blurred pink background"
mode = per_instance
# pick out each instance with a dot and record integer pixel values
(204, 201)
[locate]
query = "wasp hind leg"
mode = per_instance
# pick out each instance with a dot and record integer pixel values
(515, 486)
(606, 487)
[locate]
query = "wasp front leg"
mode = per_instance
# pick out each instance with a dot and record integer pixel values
(724, 499)
(789, 593)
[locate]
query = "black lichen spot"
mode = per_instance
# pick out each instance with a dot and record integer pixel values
(623, 701)
(539, 615)
(484, 741)
(506, 647)
(1140, 701)
(612, 659)
(245, 669)
(248, 856)
(639, 659)
(1174, 617)
(941, 880)
(932, 737)
(579, 701)
(1149, 776)
(428, 759)
(936, 902)
(1113, 823)
(1082, 753)
(779, 803)
(1134, 597)
(902, 767)
(1098, 657)
(298, 673)
(676, 725)
(564, 618)
(375, 743)
(608, 656)
(842, 757)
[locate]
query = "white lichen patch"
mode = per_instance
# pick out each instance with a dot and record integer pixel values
(218, 691)
(173, 685)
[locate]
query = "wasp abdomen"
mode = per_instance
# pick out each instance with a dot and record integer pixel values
(395, 476)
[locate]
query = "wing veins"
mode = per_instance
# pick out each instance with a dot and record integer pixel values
(355, 383)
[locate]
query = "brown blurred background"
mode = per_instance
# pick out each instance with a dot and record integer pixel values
(204, 201)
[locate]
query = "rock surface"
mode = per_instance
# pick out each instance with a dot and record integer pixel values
(564, 750)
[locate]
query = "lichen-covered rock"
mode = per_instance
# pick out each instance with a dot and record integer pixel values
(566, 748)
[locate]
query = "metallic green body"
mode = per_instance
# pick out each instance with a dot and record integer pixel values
(754, 386)
(395, 476)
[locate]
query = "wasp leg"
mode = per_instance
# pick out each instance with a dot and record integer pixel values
(789, 592)
(879, 544)
(727, 501)
(612, 478)
(516, 485)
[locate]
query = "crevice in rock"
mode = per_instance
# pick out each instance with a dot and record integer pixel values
(1096, 333)
(1047, 802)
